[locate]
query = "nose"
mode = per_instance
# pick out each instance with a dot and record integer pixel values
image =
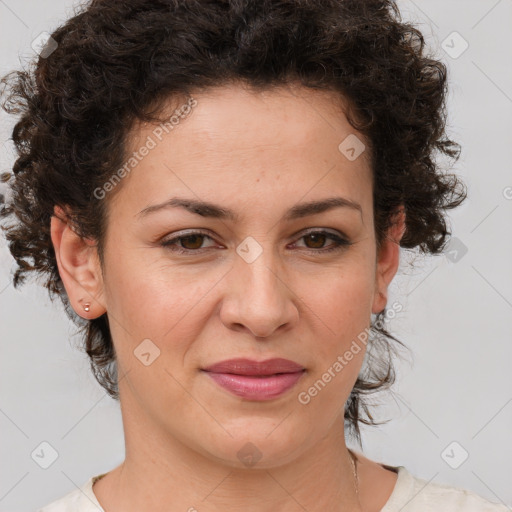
(257, 297)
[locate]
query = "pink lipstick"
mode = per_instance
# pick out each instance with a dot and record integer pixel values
(253, 380)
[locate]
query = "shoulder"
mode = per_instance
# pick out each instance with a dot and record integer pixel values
(81, 499)
(413, 494)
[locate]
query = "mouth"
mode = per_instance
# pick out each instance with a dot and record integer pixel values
(253, 380)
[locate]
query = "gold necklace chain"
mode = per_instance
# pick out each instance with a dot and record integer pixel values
(354, 471)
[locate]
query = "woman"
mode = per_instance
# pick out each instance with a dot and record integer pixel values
(218, 192)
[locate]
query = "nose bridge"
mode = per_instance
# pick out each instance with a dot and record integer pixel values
(260, 300)
(257, 264)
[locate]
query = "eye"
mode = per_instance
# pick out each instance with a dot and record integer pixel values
(190, 242)
(193, 242)
(319, 237)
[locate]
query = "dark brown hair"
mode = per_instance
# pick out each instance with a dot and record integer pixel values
(117, 62)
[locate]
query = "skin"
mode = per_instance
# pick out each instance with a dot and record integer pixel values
(259, 154)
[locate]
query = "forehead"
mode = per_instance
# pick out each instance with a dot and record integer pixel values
(237, 118)
(291, 138)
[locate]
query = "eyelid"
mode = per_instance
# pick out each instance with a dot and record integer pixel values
(184, 234)
(305, 232)
(341, 241)
(329, 231)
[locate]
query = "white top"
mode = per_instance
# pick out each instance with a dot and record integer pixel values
(410, 494)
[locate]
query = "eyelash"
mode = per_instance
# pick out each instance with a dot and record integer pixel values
(171, 243)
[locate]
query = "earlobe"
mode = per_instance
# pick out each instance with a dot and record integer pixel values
(78, 265)
(388, 260)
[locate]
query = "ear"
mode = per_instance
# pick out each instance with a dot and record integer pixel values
(79, 266)
(388, 260)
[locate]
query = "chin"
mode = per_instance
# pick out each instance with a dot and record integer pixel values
(260, 444)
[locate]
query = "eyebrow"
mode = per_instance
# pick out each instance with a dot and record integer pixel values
(207, 209)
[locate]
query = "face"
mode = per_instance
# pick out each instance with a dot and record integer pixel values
(259, 276)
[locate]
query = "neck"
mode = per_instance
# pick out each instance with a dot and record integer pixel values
(160, 473)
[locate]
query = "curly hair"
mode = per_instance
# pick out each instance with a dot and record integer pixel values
(115, 63)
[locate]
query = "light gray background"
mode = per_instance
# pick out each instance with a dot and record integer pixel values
(457, 314)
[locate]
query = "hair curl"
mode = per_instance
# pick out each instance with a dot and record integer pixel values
(119, 62)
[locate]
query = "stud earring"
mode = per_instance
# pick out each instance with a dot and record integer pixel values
(86, 306)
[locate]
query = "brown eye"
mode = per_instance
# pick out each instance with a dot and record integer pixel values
(318, 240)
(192, 241)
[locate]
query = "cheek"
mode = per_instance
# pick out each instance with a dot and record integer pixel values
(340, 312)
(152, 306)
(158, 302)
(158, 324)
(342, 301)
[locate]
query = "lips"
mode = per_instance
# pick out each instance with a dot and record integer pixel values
(254, 368)
(256, 380)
